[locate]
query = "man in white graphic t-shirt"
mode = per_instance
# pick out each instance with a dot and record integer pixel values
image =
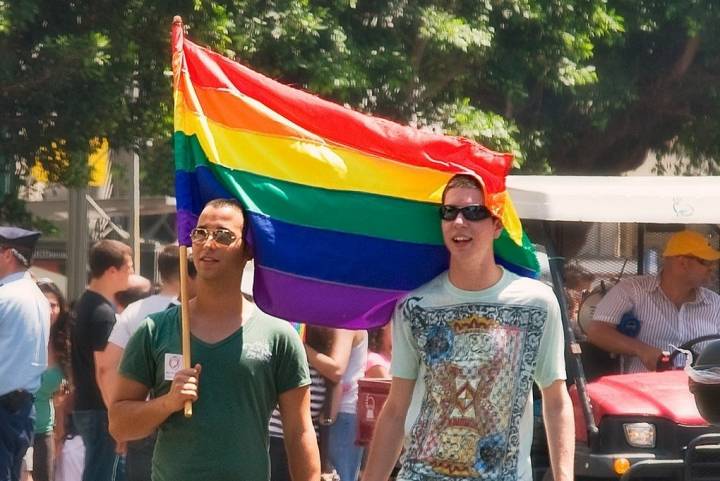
(467, 347)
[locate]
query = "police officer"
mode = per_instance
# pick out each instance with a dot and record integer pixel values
(24, 330)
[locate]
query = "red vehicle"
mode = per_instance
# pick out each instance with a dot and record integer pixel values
(628, 426)
(642, 425)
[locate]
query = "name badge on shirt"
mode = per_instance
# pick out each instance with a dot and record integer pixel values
(173, 363)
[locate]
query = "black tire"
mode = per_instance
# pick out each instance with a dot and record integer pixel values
(549, 477)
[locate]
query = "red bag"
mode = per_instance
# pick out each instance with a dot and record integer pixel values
(372, 393)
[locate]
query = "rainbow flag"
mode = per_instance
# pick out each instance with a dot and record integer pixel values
(301, 329)
(342, 207)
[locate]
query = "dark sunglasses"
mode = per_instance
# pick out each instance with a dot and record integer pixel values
(473, 213)
(221, 236)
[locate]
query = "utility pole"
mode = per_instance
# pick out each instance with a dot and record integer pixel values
(135, 194)
(77, 251)
(135, 210)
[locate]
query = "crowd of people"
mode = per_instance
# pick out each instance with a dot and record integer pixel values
(86, 342)
(98, 390)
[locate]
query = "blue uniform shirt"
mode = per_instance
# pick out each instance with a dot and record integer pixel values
(24, 332)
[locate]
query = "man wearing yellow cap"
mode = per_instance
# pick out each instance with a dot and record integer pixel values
(672, 307)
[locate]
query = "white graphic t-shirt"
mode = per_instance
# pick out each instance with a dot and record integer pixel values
(474, 355)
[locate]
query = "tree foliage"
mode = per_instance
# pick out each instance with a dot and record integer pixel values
(571, 86)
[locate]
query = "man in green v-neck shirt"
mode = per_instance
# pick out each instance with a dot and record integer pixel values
(245, 362)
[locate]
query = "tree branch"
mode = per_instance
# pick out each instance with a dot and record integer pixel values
(651, 120)
(415, 62)
(26, 85)
(447, 77)
(418, 52)
(686, 58)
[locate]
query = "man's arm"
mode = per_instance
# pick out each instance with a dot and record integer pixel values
(389, 431)
(299, 435)
(377, 371)
(560, 429)
(606, 336)
(99, 331)
(106, 365)
(608, 313)
(333, 365)
(132, 417)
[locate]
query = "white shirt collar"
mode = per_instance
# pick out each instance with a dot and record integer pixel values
(15, 276)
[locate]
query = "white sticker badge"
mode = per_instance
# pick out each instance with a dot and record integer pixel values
(173, 363)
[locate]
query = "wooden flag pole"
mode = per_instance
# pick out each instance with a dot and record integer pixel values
(185, 313)
(177, 61)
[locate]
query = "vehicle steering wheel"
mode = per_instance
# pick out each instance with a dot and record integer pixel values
(688, 346)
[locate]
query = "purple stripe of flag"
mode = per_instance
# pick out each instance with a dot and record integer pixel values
(186, 221)
(273, 289)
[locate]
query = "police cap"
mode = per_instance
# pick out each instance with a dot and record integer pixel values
(17, 237)
(21, 241)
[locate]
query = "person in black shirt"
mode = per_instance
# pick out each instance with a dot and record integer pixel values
(111, 266)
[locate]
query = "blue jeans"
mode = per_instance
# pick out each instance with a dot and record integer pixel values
(344, 454)
(101, 461)
(16, 436)
(138, 462)
(279, 469)
(43, 460)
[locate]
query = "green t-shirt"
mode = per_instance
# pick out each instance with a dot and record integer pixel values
(227, 436)
(44, 409)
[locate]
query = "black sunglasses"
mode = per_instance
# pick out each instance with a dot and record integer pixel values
(221, 236)
(473, 212)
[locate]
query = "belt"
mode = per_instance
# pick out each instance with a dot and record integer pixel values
(14, 400)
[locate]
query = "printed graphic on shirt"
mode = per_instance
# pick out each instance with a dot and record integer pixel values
(173, 363)
(479, 361)
(257, 351)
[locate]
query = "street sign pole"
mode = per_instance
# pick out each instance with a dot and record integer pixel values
(77, 251)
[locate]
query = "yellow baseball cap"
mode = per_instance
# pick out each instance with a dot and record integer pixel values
(690, 243)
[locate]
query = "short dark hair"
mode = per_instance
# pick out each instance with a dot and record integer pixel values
(105, 254)
(462, 181)
(234, 203)
(169, 264)
(133, 294)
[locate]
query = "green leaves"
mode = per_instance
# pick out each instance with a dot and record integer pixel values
(448, 30)
(490, 129)
(606, 21)
(566, 85)
(570, 74)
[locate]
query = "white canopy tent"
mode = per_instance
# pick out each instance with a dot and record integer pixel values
(682, 200)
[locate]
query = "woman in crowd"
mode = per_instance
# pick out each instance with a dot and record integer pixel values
(47, 441)
(379, 352)
(350, 349)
